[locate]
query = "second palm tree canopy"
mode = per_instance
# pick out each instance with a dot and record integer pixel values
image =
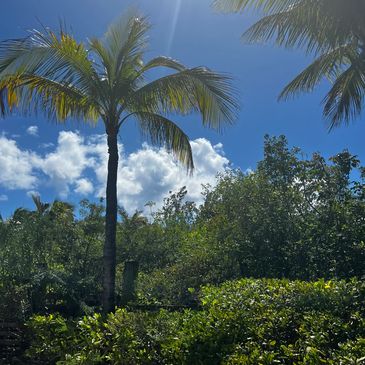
(331, 30)
(105, 79)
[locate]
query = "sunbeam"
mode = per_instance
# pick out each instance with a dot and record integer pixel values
(175, 19)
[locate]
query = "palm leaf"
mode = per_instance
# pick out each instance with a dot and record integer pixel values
(163, 62)
(333, 30)
(345, 99)
(268, 6)
(122, 45)
(162, 131)
(34, 94)
(302, 25)
(50, 73)
(49, 55)
(328, 65)
(311, 25)
(192, 90)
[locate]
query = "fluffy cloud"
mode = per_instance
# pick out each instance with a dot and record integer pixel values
(33, 130)
(79, 165)
(66, 164)
(16, 166)
(149, 174)
(84, 187)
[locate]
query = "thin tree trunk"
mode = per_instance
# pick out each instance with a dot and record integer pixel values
(109, 258)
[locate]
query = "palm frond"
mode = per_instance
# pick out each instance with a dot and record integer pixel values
(53, 69)
(345, 99)
(123, 45)
(162, 131)
(332, 30)
(163, 62)
(302, 25)
(315, 26)
(34, 94)
(192, 90)
(328, 65)
(267, 6)
(130, 80)
(48, 54)
(126, 35)
(3, 101)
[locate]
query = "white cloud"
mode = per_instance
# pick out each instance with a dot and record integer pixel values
(32, 193)
(84, 187)
(3, 198)
(16, 166)
(66, 164)
(150, 173)
(33, 130)
(79, 164)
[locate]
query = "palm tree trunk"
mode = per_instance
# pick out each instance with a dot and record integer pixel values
(109, 257)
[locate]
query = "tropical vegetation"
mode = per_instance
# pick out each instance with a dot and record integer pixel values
(242, 322)
(268, 269)
(296, 219)
(106, 80)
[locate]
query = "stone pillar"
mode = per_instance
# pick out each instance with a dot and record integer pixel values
(130, 274)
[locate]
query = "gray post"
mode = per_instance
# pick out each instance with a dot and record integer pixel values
(130, 274)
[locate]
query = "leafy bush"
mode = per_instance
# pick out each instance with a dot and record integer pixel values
(14, 301)
(243, 322)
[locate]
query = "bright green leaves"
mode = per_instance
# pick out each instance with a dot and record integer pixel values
(243, 322)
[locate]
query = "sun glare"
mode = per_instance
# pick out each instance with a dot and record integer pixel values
(175, 19)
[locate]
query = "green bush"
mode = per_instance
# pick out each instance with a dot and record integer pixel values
(242, 322)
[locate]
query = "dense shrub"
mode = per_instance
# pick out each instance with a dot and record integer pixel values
(242, 322)
(292, 217)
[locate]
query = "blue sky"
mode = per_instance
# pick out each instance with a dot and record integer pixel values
(38, 156)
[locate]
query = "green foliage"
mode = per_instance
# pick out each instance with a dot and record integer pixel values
(51, 258)
(242, 322)
(120, 338)
(292, 217)
(51, 72)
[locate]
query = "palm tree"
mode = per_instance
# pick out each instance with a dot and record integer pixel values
(41, 208)
(331, 30)
(55, 74)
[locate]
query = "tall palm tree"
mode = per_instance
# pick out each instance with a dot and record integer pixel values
(331, 30)
(105, 80)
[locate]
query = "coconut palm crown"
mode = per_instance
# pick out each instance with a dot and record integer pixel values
(333, 31)
(105, 79)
